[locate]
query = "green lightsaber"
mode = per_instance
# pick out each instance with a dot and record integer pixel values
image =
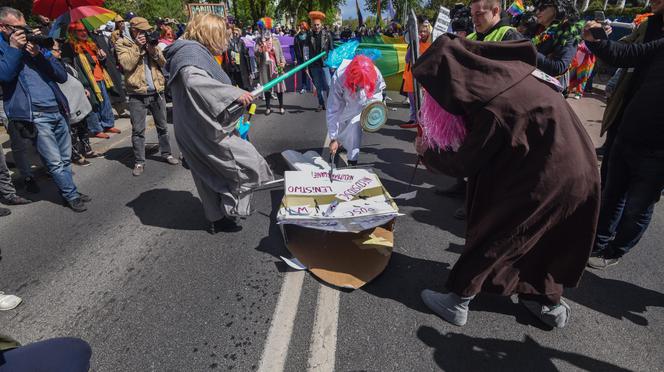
(270, 84)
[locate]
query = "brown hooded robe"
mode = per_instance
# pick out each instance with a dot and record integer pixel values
(533, 184)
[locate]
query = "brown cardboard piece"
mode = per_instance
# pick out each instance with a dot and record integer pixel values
(348, 260)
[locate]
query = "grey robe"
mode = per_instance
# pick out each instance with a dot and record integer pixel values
(222, 164)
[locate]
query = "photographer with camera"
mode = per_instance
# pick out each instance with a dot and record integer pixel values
(142, 62)
(33, 100)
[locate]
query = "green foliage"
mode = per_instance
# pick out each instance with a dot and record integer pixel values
(121, 7)
(150, 9)
(351, 23)
(613, 11)
(399, 6)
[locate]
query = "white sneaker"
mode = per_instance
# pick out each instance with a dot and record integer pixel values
(302, 91)
(9, 302)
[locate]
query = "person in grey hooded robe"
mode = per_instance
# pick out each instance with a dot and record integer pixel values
(224, 167)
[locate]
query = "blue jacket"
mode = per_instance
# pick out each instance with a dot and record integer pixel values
(18, 105)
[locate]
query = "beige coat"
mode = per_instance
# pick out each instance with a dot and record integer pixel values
(130, 57)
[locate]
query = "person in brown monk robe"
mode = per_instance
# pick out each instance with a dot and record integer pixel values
(533, 196)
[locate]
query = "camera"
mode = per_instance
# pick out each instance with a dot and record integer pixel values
(41, 40)
(152, 37)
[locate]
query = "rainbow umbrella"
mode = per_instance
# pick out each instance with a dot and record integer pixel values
(92, 18)
(55, 8)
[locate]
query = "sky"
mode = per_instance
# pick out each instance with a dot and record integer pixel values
(348, 10)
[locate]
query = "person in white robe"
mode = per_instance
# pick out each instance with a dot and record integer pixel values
(225, 168)
(355, 84)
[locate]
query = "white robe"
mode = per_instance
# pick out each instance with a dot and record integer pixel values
(344, 110)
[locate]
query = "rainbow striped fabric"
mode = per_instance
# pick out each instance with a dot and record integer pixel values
(517, 8)
(392, 61)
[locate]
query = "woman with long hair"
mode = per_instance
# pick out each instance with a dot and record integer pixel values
(88, 59)
(224, 166)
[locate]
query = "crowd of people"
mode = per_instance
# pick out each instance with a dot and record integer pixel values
(537, 209)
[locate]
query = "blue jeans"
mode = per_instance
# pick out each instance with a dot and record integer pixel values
(413, 110)
(57, 355)
(634, 184)
(102, 117)
(321, 78)
(54, 147)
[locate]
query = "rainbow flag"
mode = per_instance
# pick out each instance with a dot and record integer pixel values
(392, 61)
(516, 8)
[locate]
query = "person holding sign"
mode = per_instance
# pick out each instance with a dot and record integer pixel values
(222, 164)
(355, 85)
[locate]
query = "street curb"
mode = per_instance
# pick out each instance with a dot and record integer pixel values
(98, 144)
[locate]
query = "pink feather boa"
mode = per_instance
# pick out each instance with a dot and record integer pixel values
(440, 128)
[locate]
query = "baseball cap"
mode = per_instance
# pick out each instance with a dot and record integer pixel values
(140, 23)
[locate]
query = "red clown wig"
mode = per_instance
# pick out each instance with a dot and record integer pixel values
(361, 74)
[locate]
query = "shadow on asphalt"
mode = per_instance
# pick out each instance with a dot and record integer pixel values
(169, 209)
(125, 155)
(615, 298)
(405, 277)
(392, 129)
(273, 243)
(459, 352)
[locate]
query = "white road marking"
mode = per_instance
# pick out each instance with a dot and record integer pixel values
(322, 350)
(283, 319)
(324, 335)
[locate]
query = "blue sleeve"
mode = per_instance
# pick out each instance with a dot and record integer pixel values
(558, 62)
(11, 64)
(51, 67)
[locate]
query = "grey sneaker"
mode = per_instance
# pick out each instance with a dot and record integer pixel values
(554, 316)
(138, 170)
(602, 263)
(448, 306)
(171, 160)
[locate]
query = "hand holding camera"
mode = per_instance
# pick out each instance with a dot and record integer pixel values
(18, 39)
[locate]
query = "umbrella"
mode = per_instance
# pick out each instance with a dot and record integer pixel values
(55, 8)
(92, 17)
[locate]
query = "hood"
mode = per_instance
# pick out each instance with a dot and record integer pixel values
(184, 53)
(464, 75)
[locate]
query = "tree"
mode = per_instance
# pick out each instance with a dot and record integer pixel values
(399, 5)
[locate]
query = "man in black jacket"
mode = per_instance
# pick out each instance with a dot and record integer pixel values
(320, 40)
(635, 178)
(301, 51)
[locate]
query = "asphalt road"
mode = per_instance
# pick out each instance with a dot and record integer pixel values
(138, 277)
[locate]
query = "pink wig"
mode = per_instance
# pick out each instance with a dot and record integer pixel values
(441, 129)
(361, 74)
